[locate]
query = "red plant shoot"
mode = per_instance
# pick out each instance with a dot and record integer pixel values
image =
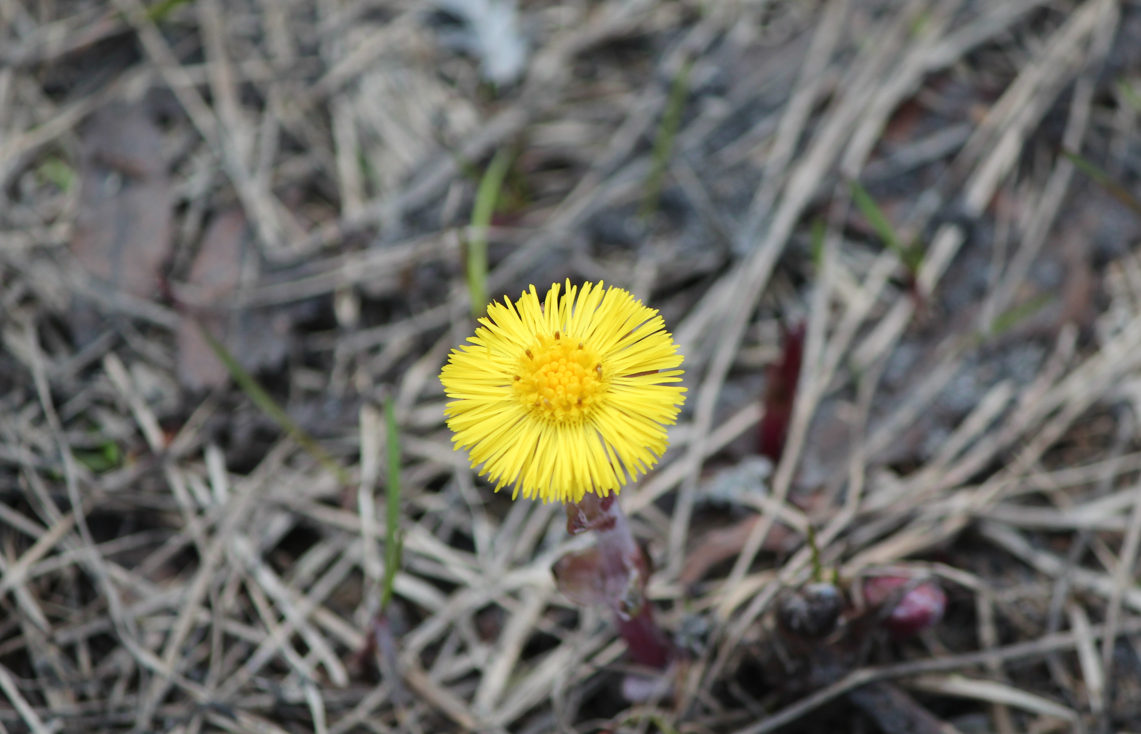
(920, 607)
(780, 394)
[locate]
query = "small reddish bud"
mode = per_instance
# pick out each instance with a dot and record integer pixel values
(918, 608)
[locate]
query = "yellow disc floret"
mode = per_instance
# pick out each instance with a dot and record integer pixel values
(559, 379)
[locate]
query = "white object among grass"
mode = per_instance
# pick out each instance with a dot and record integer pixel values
(492, 34)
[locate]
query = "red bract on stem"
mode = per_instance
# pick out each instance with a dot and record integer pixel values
(614, 572)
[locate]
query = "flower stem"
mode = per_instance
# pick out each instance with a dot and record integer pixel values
(623, 571)
(644, 638)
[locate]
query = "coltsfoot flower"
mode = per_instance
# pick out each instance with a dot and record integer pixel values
(565, 396)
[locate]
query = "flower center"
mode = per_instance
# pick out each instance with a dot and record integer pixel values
(560, 378)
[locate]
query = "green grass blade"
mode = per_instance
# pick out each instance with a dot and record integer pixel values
(817, 565)
(394, 538)
(486, 197)
(160, 10)
(1014, 316)
(266, 404)
(816, 244)
(1102, 178)
(875, 216)
(1129, 94)
(664, 140)
(910, 255)
(57, 172)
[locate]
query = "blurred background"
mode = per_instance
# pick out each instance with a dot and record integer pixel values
(896, 241)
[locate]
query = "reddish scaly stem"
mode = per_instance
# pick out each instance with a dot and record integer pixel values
(647, 643)
(622, 571)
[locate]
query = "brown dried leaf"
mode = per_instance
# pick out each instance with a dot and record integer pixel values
(123, 225)
(256, 337)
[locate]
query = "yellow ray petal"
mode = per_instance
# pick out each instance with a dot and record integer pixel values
(565, 395)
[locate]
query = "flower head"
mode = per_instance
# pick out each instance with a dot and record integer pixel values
(565, 396)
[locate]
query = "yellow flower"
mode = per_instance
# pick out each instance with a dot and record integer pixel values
(564, 397)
